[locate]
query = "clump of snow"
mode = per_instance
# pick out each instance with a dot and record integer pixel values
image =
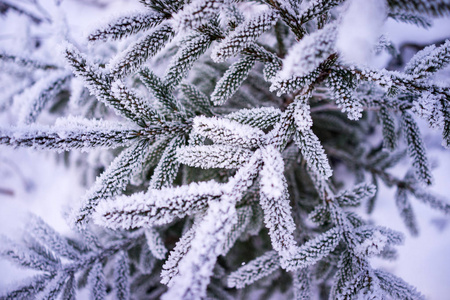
(360, 30)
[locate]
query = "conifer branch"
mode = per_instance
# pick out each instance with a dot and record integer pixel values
(126, 26)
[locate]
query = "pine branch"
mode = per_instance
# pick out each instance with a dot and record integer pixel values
(68, 134)
(140, 110)
(198, 99)
(302, 284)
(223, 131)
(157, 207)
(418, 20)
(262, 118)
(161, 91)
(317, 7)
(98, 83)
(396, 287)
(26, 62)
(244, 35)
(406, 211)
(429, 60)
(434, 8)
(167, 168)
(185, 59)
(121, 276)
(275, 203)
(197, 265)
(215, 156)
(112, 182)
(199, 12)
(171, 267)
(126, 26)
(313, 250)
(232, 80)
(137, 54)
(416, 149)
(389, 133)
(40, 94)
(313, 152)
(254, 270)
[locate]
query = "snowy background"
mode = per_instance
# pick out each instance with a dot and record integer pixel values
(41, 183)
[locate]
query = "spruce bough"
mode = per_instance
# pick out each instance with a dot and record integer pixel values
(224, 186)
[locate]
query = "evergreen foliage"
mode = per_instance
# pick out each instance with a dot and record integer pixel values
(222, 152)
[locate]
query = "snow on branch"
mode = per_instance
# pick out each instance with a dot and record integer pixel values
(261, 117)
(26, 62)
(197, 98)
(214, 156)
(433, 8)
(232, 80)
(28, 288)
(309, 53)
(155, 243)
(199, 12)
(37, 257)
(53, 287)
(429, 60)
(254, 270)
(293, 83)
(343, 84)
(374, 239)
(416, 148)
(122, 276)
(317, 7)
(157, 207)
(137, 54)
(171, 266)
(160, 91)
(167, 168)
(112, 181)
(98, 83)
(186, 57)
(222, 131)
(275, 202)
(243, 216)
(97, 282)
(405, 209)
(432, 200)
(302, 113)
(196, 267)
(313, 153)
(313, 250)
(141, 109)
(244, 35)
(266, 165)
(389, 131)
(34, 99)
(126, 26)
(397, 287)
(70, 133)
(272, 63)
(43, 232)
(354, 197)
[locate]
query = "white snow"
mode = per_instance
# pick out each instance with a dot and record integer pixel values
(360, 30)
